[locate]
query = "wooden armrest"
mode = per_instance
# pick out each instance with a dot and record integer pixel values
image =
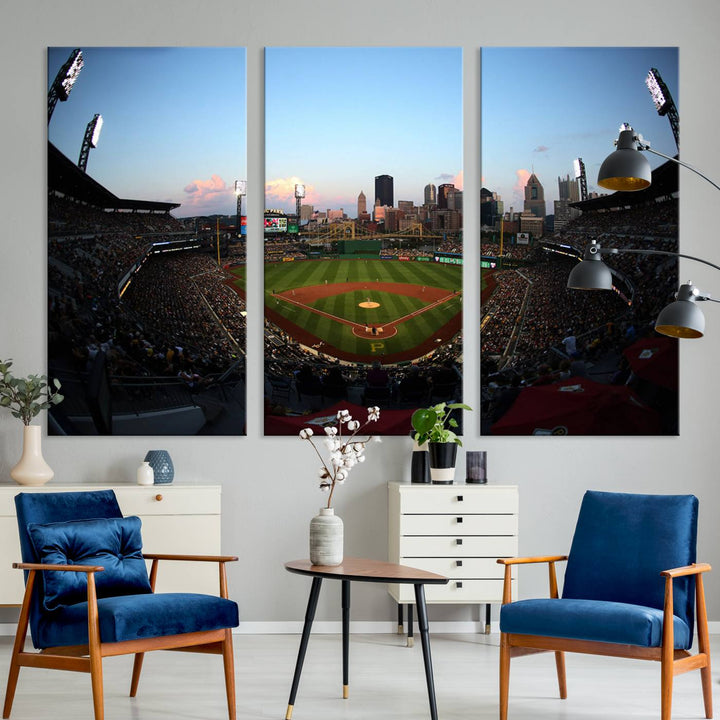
(194, 558)
(693, 569)
(528, 560)
(67, 568)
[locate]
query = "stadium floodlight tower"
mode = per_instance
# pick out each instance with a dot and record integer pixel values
(65, 80)
(664, 103)
(299, 195)
(240, 190)
(579, 167)
(92, 136)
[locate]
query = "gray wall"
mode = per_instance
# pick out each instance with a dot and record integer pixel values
(269, 484)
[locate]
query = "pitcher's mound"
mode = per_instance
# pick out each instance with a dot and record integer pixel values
(369, 305)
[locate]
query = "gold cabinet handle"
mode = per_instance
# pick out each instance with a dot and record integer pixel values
(159, 497)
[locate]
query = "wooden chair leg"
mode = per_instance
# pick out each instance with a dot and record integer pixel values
(96, 671)
(667, 653)
(704, 645)
(229, 665)
(666, 688)
(504, 675)
(137, 667)
(19, 645)
(11, 685)
(562, 682)
(96, 677)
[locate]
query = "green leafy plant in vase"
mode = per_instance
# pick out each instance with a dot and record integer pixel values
(436, 427)
(26, 398)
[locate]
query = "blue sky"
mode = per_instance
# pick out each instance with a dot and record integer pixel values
(337, 117)
(174, 123)
(543, 107)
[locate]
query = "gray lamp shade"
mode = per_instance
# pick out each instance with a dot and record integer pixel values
(681, 319)
(591, 274)
(626, 169)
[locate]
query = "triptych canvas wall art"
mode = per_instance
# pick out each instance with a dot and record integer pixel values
(362, 239)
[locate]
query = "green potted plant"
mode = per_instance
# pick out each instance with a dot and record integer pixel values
(435, 426)
(26, 398)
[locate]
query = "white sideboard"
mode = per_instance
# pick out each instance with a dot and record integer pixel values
(176, 518)
(457, 530)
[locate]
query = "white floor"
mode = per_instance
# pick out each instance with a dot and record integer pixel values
(386, 682)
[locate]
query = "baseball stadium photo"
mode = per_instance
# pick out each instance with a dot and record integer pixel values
(561, 355)
(146, 322)
(363, 292)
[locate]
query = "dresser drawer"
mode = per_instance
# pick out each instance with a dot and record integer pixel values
(456, 591)
(175, 500)
(458, 525)
(469, 568)
(459, 499)
(448, 546)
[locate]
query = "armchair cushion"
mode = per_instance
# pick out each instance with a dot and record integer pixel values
(138, 616)
(597, 620)
(113, 543)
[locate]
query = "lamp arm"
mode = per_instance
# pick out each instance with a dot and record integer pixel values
(633, 251)
(645, 146)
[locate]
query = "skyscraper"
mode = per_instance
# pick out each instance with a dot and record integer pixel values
(384, 190)
(568, 189)
(361, 204)
(442, 195)
(430, 194)
(534, 197)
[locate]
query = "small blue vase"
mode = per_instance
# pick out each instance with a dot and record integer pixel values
(162, 466)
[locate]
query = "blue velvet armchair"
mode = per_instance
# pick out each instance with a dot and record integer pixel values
(88, 594)
(632, 589)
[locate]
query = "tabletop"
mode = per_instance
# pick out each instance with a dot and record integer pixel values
(368, 571)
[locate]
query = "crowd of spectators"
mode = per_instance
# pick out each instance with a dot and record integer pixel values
(405, 252)
(518, 252)
(536, 331)
(313, 380)
(177, 318)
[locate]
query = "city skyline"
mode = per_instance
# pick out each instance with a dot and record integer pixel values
(404, 120)
(572, 103)
(157, 105)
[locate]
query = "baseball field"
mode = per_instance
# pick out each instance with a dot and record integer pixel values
(366, 309)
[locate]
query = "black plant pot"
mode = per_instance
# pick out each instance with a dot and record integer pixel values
(442, 462)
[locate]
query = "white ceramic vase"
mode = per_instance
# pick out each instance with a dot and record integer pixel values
(32, 468)
(326, 538)
(145, 474)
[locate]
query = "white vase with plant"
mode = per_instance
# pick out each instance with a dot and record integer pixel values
(26, 398)
(436, 427)
(345, 452)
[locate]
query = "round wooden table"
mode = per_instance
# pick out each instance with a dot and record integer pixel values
(363, 570)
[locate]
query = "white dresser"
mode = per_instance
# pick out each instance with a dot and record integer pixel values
(176, 518)
(455, 530)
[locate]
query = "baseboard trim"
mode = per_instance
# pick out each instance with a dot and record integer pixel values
(294, 627)
(366, 627)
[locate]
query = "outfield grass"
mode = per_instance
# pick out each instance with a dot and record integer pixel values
(285, 276)
(288, 275)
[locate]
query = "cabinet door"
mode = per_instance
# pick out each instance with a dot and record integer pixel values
(184, 535)
(12, 584)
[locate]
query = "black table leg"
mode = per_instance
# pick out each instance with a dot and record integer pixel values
(309, 615)
(425, 640)
(346, 635)
(410, 637)
(487, 618)
(400, 629)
